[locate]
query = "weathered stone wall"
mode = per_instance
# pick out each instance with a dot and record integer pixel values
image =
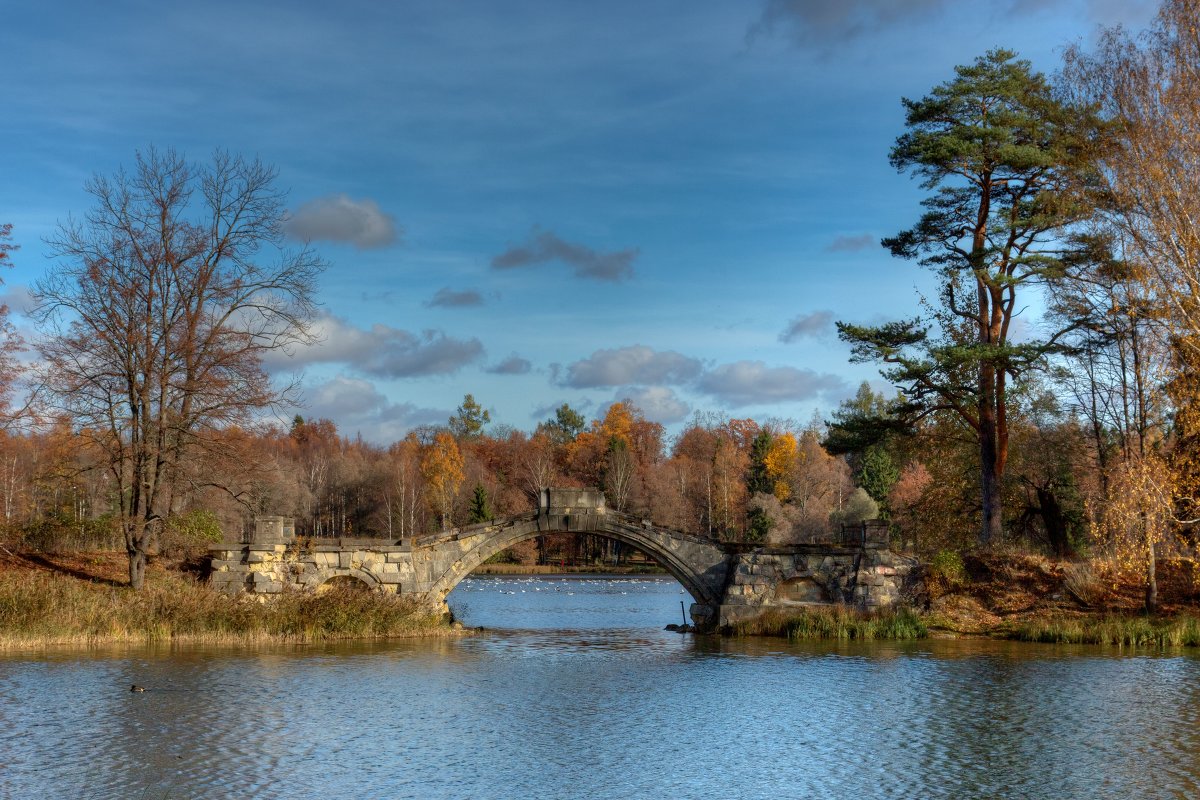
(727, 586)
(267, 569)
(866, 578)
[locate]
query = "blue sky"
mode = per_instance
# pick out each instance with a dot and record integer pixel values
(535, 202)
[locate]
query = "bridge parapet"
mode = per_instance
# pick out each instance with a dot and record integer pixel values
(565, 502)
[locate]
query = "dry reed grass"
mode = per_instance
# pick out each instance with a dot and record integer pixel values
(39, 607)
(834, 622)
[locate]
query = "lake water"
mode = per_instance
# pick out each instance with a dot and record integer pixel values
(577, 692)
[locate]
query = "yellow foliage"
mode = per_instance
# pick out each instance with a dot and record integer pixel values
(442, 466)
(618, 424)
(1139, 525)
(780, 461)
(1138, 515)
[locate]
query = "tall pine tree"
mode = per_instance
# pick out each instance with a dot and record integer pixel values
(1002, 156)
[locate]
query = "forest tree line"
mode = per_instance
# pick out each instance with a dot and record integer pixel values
(1077, 432)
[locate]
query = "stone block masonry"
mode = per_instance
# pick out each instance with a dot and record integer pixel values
(727, 585)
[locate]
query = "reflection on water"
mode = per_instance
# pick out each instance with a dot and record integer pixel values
(577, 692)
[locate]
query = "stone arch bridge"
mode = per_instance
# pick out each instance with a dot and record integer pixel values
(727, 583)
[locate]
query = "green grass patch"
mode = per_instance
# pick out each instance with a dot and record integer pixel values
(45, 608)
(1159, 632)
(834, 622)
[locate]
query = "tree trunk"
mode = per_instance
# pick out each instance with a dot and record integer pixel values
(1151, 580)
(137, 567)
(993, 511)
(1052, 518)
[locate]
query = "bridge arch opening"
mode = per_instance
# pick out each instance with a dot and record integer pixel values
(669, 565)
(590, 600)
(348, 581)
(698, 565)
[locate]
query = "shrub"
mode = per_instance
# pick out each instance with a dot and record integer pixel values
(946, 573)
(59, 534)
(186, 533)
(1082, 583)
(859, 506)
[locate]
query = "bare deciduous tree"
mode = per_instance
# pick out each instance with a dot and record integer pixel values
(156, 313)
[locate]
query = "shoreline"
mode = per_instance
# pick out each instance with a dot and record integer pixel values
(81, 600)
(1101, 629)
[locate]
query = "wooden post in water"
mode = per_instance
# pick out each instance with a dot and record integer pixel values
(682, 613)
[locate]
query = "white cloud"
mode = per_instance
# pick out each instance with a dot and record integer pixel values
(546, 246)
(852, 244)
(547, 411)
(636, 365)
(513, 365)
(357, 406)
(823, 24)
(745, 383)
(337, 218)
(18, 298)
(381, 350)
(812, 324)
(658, 403)
(449, 298)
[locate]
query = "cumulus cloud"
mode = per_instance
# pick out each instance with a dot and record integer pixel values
(449, 298)
(636, 365)
(513, 365)
(818, 22)
(18, 298)
(548, 411)
(356, 406)
(381, 350)
(852, 244)
(822, 24)
(745, 383)
(337, 218)
(658, 403)
(814, 324)
(545, 246)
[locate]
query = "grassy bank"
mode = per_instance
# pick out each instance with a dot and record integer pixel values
(39, 607)
(835, 622)
(1031, 598)
(1118, 631)
(1107, 629)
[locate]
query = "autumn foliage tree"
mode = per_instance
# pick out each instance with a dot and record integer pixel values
(157, 311)
(1148, 88)
(442, 467)
(1137, 524)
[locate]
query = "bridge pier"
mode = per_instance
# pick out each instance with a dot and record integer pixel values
(727, 584)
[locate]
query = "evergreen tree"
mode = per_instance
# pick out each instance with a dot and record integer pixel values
(759, 481)
(480, 510)
(566, 425)
(877, 474)
(469, 419)
(1003, 157)
(758, 478)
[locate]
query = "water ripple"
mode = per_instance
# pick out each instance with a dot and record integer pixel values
(586, 698)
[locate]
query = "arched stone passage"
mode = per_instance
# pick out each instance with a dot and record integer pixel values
(353, 578)
(698, 565)
(344, 583)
